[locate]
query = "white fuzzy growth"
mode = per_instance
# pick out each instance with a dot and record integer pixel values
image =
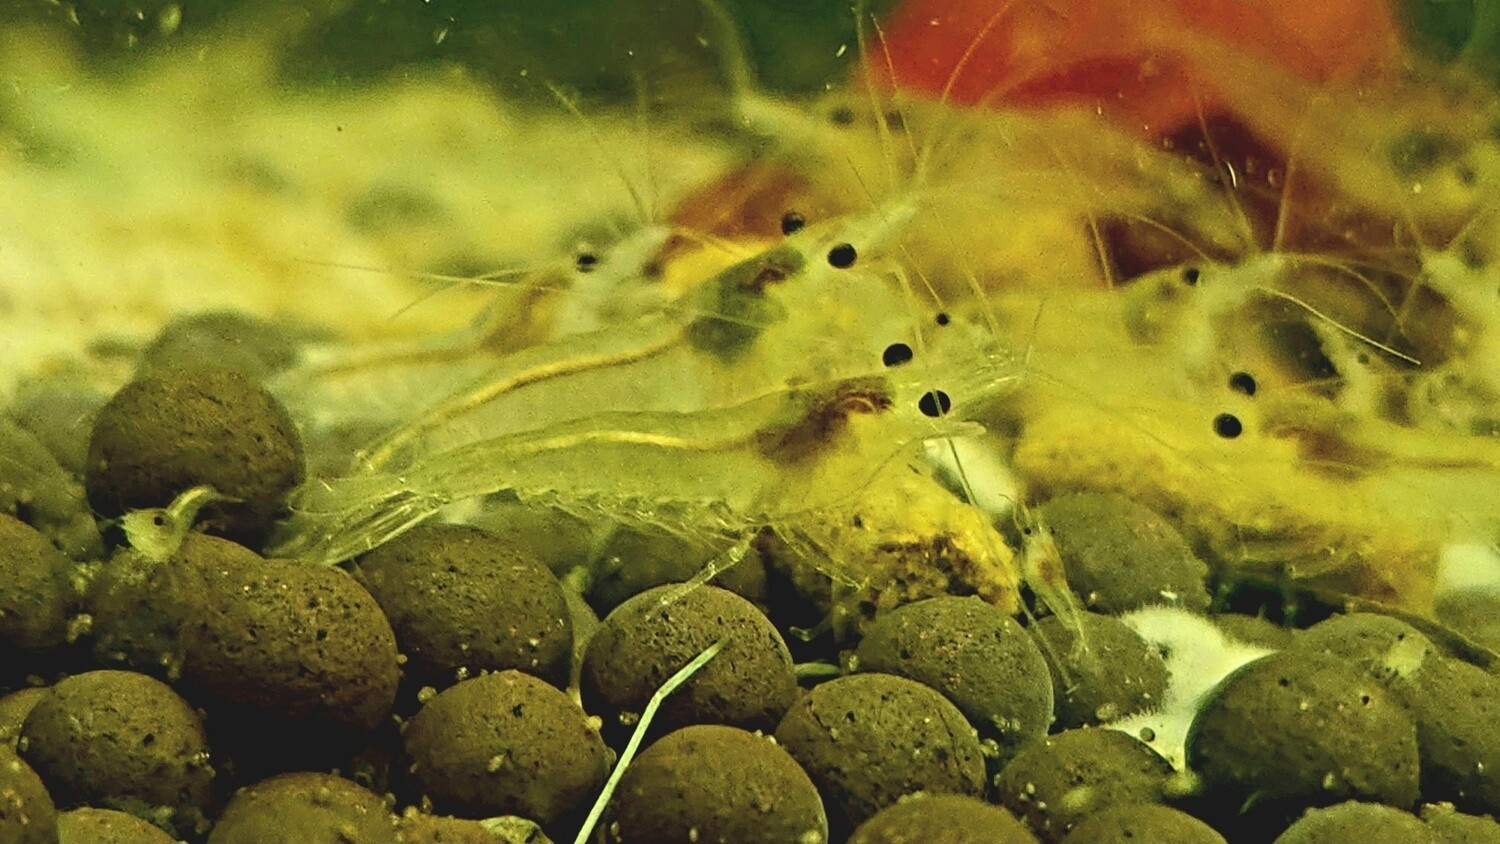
(1199, 656)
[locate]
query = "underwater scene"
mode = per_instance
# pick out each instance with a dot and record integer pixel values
(733, 421)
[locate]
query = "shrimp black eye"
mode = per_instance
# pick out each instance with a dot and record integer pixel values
(943, 318)
(1242, 382)
(842, 116)
(896, 354)
(1228, 426)
(792, 222)
(934, 404)
(1190, 276)
(842, 256)
(586, 262)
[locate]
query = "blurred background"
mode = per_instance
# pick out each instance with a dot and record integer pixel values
(601, 48)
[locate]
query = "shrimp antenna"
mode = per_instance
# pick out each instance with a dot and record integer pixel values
(642, 208)
(503, 277)
(734, 59)
(1338, 326)
(890, 65)
(1284, 201)
(643, 123)
(1223, 169)
(1485, 207)
(882, 125)
(930, 145)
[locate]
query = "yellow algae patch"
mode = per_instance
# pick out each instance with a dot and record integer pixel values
(903, 539)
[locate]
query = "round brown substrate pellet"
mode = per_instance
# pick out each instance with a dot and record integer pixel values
(868, 740)
(942, 819)
(712, 784)
(1473, 613)
(141, 608)
(973, 653)
(107, 826)
(27, 814)
(1255, 630)
(1055, 783)
(1455, 705)
(174, 429)
(1304, 729)
(109, 738)
(418, 828)
(60, 414)
(1120, 556)
(1141, 823)
(1454, 827)
(647, 639)
(36, 597)
(1101, 669)
(279, 637)
(505, 744)
(305, 808)
(1383, 646)
(233, 340)
(302, 641)
(14, 708)
(1358, 822)
(460, 597)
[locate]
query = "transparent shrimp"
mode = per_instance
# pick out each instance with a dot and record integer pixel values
(776, 460)
(1400, 333)
(1207, 312)
(760, 398)
(704, 347)
(1251, 478)
(1030, 177)
(725, 395)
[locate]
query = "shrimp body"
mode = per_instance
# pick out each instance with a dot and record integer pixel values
(791, 461)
